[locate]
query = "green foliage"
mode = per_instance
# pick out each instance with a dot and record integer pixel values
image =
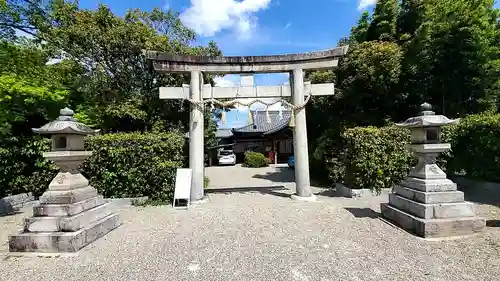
(23, 168)
(360, 31)
(21, 99)
(30, 92)
(383, 24)
(443, 52)
(475, 147)
(210, 129)
(206, 182)
(365, 91)
(453, 57)
(119, 92)
(367, 80)
(255, 160)
(369, 157)
(134, 164)
(100, 70)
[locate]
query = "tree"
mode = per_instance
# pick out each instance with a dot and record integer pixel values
(365, 92)
(30, 92)
(457, 56)
(410, 18)
(383, 23)
(117, 91)
(359, 32)
(20, 16)
(367, 78)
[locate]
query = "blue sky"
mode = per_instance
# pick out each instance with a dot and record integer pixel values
(257, 27)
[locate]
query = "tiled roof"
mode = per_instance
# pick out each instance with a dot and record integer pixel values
(223, 133)
(261, 125)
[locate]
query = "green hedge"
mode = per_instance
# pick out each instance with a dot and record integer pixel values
(122, 165)
(370, 157)
(134, 164)
(255, 160)
(475, 147)
(22, 166)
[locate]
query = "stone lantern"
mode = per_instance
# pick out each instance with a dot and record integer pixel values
(426, 202)
(70, 214)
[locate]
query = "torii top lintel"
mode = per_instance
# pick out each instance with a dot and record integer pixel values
(165, 62)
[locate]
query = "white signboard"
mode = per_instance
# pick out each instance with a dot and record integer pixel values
(182, 191)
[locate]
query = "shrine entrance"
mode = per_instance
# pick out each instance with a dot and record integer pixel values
(200, 94)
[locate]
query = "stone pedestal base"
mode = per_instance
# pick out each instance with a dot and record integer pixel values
(311, 198)
(432, 208)
(65, 221)
(433, 228)
(63, 242)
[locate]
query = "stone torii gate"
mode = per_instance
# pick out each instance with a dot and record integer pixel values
(294, 64)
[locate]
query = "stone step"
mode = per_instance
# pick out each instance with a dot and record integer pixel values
(433, 228)
(63, 242)
(432, 211)
(72, 223)
(68, 196)
(429, 197)
(64, 210)
(429, 185)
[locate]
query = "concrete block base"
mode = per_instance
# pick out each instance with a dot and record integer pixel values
(66, 242)
(433, 228)
(359, 193)
(12, 204)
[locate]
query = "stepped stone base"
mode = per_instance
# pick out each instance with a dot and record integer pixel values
(68, 242)
(65, 221)
(433, 228)
(65, 224)
(432, 208)
(432, 211)
(49, 210)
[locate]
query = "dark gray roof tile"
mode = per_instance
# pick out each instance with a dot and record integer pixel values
(261, 125)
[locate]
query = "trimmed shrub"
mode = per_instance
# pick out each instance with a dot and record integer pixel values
(255, 160)
(23, 168)
(134, 164)
(370, 157)
(475, 147)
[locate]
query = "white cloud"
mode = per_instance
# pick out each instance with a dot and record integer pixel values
(363, 4)
(207, 18)
(227, 80)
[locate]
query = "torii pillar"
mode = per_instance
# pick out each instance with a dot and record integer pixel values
(293, 64)
(196, 138)
(300, 148)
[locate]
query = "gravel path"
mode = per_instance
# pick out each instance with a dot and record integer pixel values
(263, 236)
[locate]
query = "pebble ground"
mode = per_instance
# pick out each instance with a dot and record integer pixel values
(262, 236)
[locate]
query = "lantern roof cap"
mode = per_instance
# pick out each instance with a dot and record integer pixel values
(65, 124)
(427, 118)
